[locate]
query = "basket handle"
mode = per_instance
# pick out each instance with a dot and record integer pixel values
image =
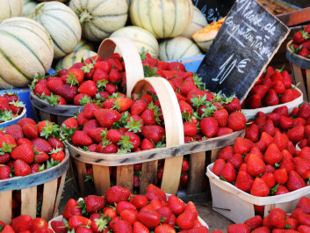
(132, 60)
(169, 105)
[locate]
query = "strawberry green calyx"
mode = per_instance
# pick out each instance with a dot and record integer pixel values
(274, 189)
(18, 104)
(156, 111)
(51, 129)
(85, 100)
(101, 84)
(134, 126)
(121, 122)
(198, 82)
(89, 178)
(87, 68)
(105, 142)
(66, 132)
(125, 144)
(82, 205)
(6, 148)
(56, 150)
(161, 143)
(42, 168)
(199, 100)
(143, 53)
(102, 222)
(149, 71)
(51, 163)
(52, 99)
(6, 115)
(227, 100)
(72, 80)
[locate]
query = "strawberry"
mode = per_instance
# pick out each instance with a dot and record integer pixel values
(176, 205)
(41, 90)
(228, 172)
(287, 161)
(244, 181)
(138, 107)
(241, 146)
(154, 133)
(121, 226)
(302, 167)
(260, 90)
(96, 134)
(30, 131)
(5, 171)
(238, 228)
(287, 96)
(72, 208)
(146, 144)
(218, 166)
(209, 126)
(236, 121)
(252, 132)
(233, 106)
(80, 138)
(304, 111)
(271, 98)
(286, 122)
(303, 228)
(221, 116)
(70, 123)
(259, 188)
(53, 83)
(223, 131)
(42, 144)
(94, 203)
(57, 154)
(66, 91)
(90, 124)
(269, 127)
(280, 140)
(23, 152)
(185, 107)
(148, 117)
(107, 117)
(269, 179)
(275, 117)
(278, 86)
(226, 153)
(299, 37)
(26, 120)
(107, 149)
(281, 175)
(164, 228)
(114, 76)
(117, 194)
(186, 219)
(15, 131)
(81, 99)
(76, 221)
(277, 218)
(89, 110)
(190, 128)
(255, 165)
(254, 101)
(272, 154)
(304, 204)
(88, 87)
(40, 156)
(111, 88)
(138, 227)
(295, 181)
(55, 143)
(21, 168)
(296, 134)
(187, 86)
(74, 76)
(254, 222)
(21, 223)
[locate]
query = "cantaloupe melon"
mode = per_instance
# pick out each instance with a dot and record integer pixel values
(163, 18)
(199, 21)
(61, 23)
(28, 7)
(99, 18)
(26, 49)
(10, 8)
(141, 37)
(205, 36)
(177, 48)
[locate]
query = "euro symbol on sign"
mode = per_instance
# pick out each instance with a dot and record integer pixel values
(242, 64)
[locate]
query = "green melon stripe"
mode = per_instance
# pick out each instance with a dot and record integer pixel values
(186, 50)
(166, 50)
(74, 7)
(13, 64)
(176, 16)
(38, 35)
(58, 46)
(64, 23)
(89, 30)
(149, 13)
(98, 27)
(200, 25)
(63, 10)
(25, 45)
(113, 15)
(163, 17)
(5, 81)
(10, 8)
(73, 55)
(95, 7)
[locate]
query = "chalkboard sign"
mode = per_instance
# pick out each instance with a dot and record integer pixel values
(243, 47)
(213, 10)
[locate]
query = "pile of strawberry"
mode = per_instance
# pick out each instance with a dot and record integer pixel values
(277, 221)
(265, 162)
(301, 42)
(10, 106)
(272, 88)
(205, 114)
(28, 147)
(122, 211)
(90, 81)
(25, 223)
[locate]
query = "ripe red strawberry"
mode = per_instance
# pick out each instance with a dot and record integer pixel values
(209, 126)
(40, 156)
(26, 120)
(55, 143)
(154, 133)
(269, 179)
(41, 90)
(81, 99)
(70, 123)
(138, 227)
(269, 127)
(116, 194)
(53, 83)
(271, 98)
(244, 181)
(68, 92)
(72, 208)
(299, 37)
(287, 161)
(90, 124)
(74, 76)
(241, 146)
(59, 226)
(88, 87)
(42, 144)
(218, 166)
(5, 171)
(89, 110)
(57, 154)
(304, 111)
(96, 134)
(259, 188)
(277, 218)
(94, 203)
(185, 107)
(255, 165)
(190, 128)
(287, 96)
(238, 228)
(236, 121)
(254, 222)
(146, 144)
(272, 154)
(279, 86)
(304, 204)
(138, 107)
(15, 131)
(80, 138)
(295, 181)
(280, 140)
(302, 167)
(30, 131)
(109, 149)
(23, 152)
(221, 116)
(296, 134)
(107, 117)
(223, 131)
(286, 79)
(281, 175)
(148, 117)
(21, 223)
(21, 168)
(254, 101)
(228, 172)
(286, 122)
(252, 132)
(233, 106)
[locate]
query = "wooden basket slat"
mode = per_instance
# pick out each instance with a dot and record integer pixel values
(59, 193)
(197, 172)
(308, 82)
(81, 174)
(101, 179)
(172, 173)
(148, 175)
(124, 176)
(299, 79)
(6, 204)
(29, 201)
(49, 197)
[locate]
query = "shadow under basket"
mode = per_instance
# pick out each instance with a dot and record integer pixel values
(58, 114)
(37, 195)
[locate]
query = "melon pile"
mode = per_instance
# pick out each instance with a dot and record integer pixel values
(66, 32)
